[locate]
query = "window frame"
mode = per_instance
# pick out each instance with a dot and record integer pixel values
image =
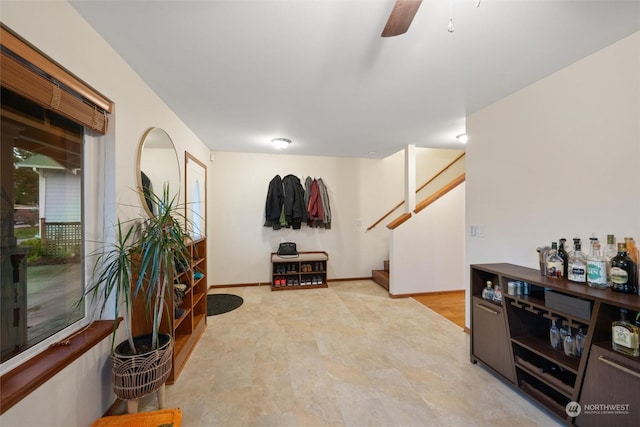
(25, 372)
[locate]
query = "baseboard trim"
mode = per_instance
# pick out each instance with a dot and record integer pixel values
(427, 293)
(244, 285)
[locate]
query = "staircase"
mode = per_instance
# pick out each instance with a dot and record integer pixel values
(381, 277)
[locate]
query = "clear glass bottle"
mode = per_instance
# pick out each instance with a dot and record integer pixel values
(497, 294)
(577, 271)
(487, 292)
(623, 272)
(609, 252)
(596, 268)
(554, 335)
(562, 253)
(555, 265)
(625, 335)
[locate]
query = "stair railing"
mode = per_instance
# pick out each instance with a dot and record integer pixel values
(405, 216)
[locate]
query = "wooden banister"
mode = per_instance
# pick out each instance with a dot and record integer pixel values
(382, 218)
(396, 222)
(435, 196)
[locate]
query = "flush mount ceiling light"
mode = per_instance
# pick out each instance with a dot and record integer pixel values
(281, 143)
(462, 138)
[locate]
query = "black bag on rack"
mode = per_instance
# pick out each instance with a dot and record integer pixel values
(287, 249)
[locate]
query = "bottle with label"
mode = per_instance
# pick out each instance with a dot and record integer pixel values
(596, 268)
(632, 250)
(487, 292)
(555, 265)
(623, 272)
(609, 252)
(577, 271)
(497, 294)
(562, 253)
(625, 336)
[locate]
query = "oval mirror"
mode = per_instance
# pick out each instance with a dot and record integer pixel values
(157, 166)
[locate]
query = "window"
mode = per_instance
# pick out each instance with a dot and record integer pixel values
(41, 253)
(46, 114)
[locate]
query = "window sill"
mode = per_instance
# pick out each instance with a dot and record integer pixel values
(16, 384)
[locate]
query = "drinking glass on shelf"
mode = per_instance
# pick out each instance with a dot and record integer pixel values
(569, 348)
(580, 339)
(564, 331)
(554, 335)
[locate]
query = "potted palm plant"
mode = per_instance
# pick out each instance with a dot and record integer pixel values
(140, 265)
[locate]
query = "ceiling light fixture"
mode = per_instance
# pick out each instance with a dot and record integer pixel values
(281, 143)
(462, 138)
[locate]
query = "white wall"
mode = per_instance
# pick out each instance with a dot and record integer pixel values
(81, 393)
(559, 158)
(427, 251)
(360, 191)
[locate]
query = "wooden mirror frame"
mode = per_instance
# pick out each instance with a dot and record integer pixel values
(195, 195)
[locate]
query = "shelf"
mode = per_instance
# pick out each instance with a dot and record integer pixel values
(297, 287)
(543, 398)
(542, 347)
(187, 329)
(295, 272)
(527, 320)
(550, 380)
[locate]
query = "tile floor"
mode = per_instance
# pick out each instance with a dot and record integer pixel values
(344, 356)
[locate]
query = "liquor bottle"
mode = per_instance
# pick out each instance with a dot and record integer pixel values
(487, 292)
(632, 250)
(497, 294)
(562, 253)
(577, 271)
(555, 266)
(596, 268)
(609, 252)
(623, 272)
(625, 336)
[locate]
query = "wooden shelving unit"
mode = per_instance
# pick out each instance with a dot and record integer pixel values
(188, 319)
(519, 329)
(306, 271)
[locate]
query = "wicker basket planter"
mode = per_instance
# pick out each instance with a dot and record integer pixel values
(137, 375)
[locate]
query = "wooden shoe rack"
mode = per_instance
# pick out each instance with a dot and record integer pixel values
(306, 271)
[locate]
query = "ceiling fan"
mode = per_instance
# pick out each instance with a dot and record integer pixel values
(400, 18)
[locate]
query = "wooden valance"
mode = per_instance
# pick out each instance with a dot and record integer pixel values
(33, 75)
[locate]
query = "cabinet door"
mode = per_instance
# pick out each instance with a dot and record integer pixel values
(611, 390)
(489, 339)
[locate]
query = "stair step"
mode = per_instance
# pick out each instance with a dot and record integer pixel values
(381, 277)
(386, 266)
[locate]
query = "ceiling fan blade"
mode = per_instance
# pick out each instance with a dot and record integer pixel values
(400, 18)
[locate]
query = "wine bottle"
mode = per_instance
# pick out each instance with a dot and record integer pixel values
(609, 252)
(562, 253)
(623, 272)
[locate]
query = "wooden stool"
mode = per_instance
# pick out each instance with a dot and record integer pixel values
(168, 417)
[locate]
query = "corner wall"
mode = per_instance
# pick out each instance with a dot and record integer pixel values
(559, 158)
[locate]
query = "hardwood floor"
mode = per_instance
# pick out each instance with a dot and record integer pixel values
(448, 304)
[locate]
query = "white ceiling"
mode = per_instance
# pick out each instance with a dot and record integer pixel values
(239, 73)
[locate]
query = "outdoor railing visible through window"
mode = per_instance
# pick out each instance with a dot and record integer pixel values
(41, 233)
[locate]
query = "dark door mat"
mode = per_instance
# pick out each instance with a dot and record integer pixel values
(222, 303)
